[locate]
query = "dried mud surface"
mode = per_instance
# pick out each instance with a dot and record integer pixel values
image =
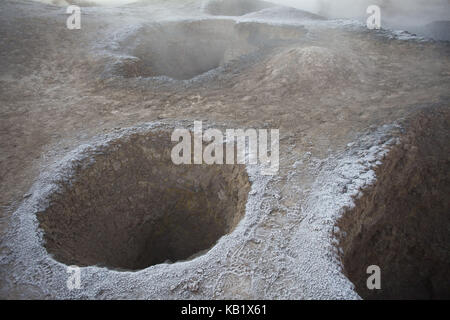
(338, 93)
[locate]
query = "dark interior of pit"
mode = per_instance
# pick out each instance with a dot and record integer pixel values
(185, 49)
(402, 223)
(133, 208)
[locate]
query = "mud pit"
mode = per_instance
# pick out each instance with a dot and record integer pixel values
(401, 223)
(186, 49)
(183, 50)
(132, 208)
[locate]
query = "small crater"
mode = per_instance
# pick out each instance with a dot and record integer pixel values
(132, 207)
(184, 50)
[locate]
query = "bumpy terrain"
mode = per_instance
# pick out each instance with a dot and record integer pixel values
(86, 178)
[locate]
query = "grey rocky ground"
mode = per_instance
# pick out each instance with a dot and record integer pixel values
(338, 92)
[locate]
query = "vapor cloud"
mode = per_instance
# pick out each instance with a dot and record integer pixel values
(396, 12)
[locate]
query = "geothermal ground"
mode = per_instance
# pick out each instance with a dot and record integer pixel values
(87, 180)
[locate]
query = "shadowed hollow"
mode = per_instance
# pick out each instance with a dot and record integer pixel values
(132, 208)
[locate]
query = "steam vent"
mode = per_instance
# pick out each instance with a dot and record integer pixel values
(135, 149)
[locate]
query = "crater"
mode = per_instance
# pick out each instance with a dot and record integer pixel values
(184, 50)
(129, 207)
(402, 222)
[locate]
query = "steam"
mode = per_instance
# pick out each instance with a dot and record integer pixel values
(395, 12)
(307, 5)
(88, 2)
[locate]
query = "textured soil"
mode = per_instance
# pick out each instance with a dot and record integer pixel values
(340, 95)
(401, 223)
